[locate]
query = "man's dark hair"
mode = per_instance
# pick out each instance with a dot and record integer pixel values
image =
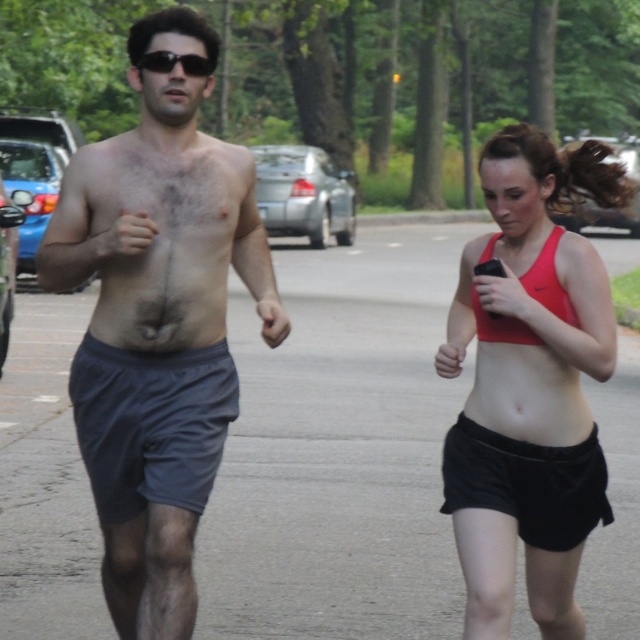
(180, 20)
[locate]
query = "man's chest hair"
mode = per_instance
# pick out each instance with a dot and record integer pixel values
(193, 194)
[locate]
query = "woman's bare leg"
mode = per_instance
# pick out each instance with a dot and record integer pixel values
(551, 581)
(487, 544)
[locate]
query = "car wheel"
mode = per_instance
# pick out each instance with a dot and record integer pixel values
(4, 339)
(635, 231)
(347, 237)
(320, 240)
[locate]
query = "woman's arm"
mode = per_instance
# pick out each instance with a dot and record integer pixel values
(461, 323)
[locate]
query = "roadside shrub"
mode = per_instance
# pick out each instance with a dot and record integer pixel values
(274, 131)
(403, 134)
(484, 130)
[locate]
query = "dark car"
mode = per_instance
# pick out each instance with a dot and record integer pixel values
(10, 218)
(35, 167)
(41, 125)
(301, 192)
(590, 214)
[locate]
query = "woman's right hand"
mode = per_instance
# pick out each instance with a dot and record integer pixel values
(449, 360)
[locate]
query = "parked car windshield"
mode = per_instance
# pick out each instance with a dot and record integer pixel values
(24, 163)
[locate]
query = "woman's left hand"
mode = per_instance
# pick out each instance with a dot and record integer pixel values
(505, 296)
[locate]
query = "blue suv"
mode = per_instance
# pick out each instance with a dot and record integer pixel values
(35, 167)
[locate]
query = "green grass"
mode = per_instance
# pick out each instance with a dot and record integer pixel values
(626, 293)
(389, 192)
(377, 209)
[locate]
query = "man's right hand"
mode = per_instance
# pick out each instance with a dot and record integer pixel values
(132, 233)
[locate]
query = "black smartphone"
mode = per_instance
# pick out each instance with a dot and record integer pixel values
(491, 267)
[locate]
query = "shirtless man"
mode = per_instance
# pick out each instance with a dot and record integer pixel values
(160, 211)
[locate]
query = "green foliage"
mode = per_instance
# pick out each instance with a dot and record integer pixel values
(403, 134)
(390, 190)
(484, 130)
(274, 131)
(596, 75)
(62, 55)
(625, 290)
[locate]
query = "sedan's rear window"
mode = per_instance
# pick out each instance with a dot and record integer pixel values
(285, 162)
(24, 163)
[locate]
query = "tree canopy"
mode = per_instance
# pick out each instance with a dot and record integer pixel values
(69, 55)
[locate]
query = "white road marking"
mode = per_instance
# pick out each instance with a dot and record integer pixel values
(354, 253)
(440, 238)
(395, 244)
(47, 399)
(6, 425)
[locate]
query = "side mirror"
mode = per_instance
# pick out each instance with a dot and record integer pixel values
(11, 217)
(22, 198)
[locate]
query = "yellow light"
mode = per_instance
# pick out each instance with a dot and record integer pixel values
(396, 78)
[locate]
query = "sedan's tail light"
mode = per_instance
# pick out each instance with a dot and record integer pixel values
(1, 202)
(303, 189)
(43, 203)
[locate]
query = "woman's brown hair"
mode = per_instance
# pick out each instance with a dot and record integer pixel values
(580, 170)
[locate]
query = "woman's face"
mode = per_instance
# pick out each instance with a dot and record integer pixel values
(515, 199)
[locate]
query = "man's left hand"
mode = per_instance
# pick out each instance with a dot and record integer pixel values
(276, 325)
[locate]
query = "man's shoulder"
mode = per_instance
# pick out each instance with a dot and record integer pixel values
(224, 148)
(102, 147)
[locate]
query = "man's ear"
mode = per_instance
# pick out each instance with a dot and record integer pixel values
(209, 87)
(134, 77)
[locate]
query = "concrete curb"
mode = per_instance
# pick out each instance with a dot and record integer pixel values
(423, 217)
(628, 317)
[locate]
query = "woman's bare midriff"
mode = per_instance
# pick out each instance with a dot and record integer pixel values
(525, 392)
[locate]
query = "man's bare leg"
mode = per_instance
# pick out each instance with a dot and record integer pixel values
(169, 600)
(123, 572)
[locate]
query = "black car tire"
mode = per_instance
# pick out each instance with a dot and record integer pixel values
(320, 239)
(4, 339)
(635, 231)
(347, 237)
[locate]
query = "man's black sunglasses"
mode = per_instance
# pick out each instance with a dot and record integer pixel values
(165, 61)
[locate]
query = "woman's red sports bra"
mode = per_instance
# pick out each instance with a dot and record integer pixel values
(541, 283)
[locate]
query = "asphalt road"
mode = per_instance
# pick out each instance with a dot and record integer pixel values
(324, 520)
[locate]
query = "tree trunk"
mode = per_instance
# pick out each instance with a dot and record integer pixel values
(223, 71)
(426, 180)
(542, 65)
(318, 82)
(350, 62)
(384, 90)
(462, 34)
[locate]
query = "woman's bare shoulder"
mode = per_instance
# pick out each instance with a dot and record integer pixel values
(474, 248)
(576, 255)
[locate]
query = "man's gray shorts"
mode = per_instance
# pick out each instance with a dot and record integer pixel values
(152, 426)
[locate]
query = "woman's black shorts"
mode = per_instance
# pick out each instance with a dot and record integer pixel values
(557, 494)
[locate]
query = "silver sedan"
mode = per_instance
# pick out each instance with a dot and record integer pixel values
(301, 192)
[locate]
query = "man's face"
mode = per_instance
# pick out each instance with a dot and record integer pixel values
(172, 98)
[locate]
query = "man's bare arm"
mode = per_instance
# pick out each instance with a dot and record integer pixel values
(251, 258)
